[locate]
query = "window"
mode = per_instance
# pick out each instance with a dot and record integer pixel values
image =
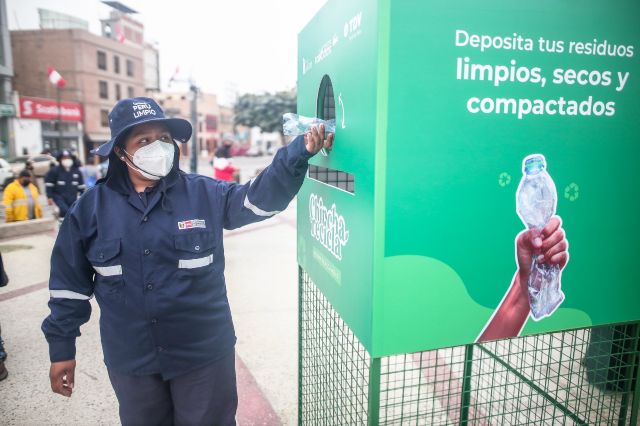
(116, 64)
(129, 67)
(130, 92)
(104, 118)
(336, 178)
(118, 94)
(103, 89)
(326, 105)
(102, 60)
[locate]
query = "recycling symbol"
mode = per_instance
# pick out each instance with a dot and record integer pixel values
(504, 179)
(572, 191)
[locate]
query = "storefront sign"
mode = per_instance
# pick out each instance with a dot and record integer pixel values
(7, 110)
(47, 109)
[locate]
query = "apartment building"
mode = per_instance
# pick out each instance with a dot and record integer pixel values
(7, 108)
(178, 104)
(98, 71)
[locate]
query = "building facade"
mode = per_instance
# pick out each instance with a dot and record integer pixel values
(151, 68)
(98, 71)
(177, 104)
(7, 107)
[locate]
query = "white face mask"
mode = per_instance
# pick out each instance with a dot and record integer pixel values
(155, 160)
(67, 163)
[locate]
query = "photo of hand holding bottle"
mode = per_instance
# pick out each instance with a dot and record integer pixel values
(541, 255)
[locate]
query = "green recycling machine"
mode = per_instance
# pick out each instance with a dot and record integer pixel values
(408, 231)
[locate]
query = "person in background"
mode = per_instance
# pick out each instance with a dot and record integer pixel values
(21, 199)
(64, 183)
(28, 165)
(4, 280)
(223, 169)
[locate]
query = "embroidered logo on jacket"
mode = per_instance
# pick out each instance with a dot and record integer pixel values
(193, 223)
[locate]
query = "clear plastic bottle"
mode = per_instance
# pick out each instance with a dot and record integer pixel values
(294, 124)
(536, 201)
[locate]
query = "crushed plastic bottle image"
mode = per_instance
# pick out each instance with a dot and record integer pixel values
(536, 201)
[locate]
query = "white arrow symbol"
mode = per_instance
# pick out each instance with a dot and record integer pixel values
(342, 105)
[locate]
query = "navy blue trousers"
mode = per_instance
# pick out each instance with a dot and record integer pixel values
(206, 396)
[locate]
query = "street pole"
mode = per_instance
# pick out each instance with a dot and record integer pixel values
(194, 125)
(60, 145)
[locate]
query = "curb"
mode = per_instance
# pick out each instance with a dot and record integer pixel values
(26, 227)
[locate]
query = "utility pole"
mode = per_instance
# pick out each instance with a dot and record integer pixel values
(60, 144)
(194, 124)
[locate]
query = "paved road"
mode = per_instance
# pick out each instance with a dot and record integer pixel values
(261, 274)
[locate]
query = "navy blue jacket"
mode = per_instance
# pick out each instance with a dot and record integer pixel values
(64, 186)
(157, 272)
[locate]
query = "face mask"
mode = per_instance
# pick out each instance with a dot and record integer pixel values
(67, 163)
(25, 182)
(155, 160)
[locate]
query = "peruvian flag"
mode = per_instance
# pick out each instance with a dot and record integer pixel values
(174, 76)
(55, 78)
(119, 34)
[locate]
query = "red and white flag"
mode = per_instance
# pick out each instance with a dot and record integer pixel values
(119, 34)
(174, 76)
(55, 78)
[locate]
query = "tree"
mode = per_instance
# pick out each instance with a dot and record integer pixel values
(264, 110)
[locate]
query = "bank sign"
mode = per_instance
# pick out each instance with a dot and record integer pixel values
(48, 109)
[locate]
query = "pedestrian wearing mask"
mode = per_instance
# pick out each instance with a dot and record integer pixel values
(146, 241)
(20, 199)
(223, 169)
(64, 183)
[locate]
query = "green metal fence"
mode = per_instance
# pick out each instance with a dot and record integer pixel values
(574, 377)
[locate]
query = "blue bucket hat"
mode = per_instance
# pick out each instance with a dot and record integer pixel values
(133, 111)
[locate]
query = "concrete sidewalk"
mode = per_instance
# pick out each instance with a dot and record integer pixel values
(261, 276)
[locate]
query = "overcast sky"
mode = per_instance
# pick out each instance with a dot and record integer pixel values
(251, 44)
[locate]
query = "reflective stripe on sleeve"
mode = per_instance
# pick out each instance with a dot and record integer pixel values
(61, 182)
(195, 263)
(255, 209)
(108, 271)
(50, 184)
(68, 294)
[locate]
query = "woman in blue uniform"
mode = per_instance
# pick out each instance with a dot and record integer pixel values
(146, 241)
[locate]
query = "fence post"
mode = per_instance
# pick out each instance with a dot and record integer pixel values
(374, 393)
(635, 366)
(466, 385)
(300, 353)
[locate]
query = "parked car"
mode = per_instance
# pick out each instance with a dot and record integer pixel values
(41, 163)
(6, 173)
(254, 151)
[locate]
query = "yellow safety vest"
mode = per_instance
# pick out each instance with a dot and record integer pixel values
(16, 204)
